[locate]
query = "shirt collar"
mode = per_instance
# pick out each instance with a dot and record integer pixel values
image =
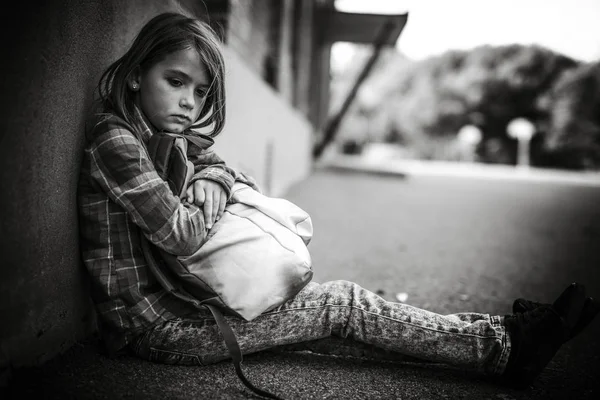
(143, 124)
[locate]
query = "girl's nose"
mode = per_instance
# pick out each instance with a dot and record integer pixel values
(188, 100)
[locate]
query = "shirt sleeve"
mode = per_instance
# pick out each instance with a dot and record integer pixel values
(208, 165)
(248, 180)
(120, 165)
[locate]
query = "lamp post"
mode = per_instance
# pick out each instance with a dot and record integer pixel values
(522, 130)
(469, 136)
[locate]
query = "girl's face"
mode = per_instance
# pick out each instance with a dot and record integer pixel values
(173, 91)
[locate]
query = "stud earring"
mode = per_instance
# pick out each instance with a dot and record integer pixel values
(134, 86)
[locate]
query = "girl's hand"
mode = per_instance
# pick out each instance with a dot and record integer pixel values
(211, 196)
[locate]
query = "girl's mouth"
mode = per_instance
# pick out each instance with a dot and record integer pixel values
(182, 119)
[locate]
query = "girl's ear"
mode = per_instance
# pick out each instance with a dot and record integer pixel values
(133, 82)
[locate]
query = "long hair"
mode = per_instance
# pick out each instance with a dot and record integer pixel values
(162, 35)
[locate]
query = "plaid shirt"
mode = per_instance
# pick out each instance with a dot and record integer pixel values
(120, 198)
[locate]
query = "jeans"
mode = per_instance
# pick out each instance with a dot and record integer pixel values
(471, 341)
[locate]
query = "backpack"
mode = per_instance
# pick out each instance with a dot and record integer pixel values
(254, 258)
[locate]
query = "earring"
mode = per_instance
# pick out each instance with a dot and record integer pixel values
(134, 86)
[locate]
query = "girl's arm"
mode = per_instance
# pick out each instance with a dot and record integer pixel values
(120, 165)
(208, 165)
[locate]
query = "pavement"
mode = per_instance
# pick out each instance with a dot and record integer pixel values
(377, 163)
(447, 242)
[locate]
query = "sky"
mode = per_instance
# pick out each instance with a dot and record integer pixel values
(570, 27)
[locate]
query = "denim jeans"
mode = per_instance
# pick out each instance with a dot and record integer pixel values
(475, 342)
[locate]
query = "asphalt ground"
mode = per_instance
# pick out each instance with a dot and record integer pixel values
(447, 244)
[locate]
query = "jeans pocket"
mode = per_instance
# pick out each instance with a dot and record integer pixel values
(173, 357)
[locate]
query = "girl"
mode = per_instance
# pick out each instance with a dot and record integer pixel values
(171, 79)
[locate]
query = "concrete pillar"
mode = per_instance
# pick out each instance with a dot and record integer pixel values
(304, 54)
(321, 65)
(284, 70)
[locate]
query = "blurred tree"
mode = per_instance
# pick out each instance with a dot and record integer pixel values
(364, 122)
(573, 139)
(424, 104)
(486, 87)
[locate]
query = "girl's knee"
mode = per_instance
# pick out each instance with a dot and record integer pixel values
(340, 291)
(341, 286)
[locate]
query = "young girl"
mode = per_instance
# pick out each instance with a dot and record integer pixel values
(172, 79)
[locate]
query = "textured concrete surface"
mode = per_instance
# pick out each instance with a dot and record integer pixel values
(54, 54)
(450, 243)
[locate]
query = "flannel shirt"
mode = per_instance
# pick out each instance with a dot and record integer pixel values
(120, 198)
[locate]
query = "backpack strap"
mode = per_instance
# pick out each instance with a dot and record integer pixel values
(230, 340)
(159, 149)
(235, 352)
(200, 140)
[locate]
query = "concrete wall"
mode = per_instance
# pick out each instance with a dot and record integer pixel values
(278, 33)
(263, 136)
(248, 31)
(54, 53)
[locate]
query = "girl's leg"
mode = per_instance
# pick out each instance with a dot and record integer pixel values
(339, 346)
(339, 308)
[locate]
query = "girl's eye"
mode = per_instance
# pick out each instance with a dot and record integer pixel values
(175, 82)
(201, 92)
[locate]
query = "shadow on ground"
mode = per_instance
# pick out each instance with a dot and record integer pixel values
(84, 373)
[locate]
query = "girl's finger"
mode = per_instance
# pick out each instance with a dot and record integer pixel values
(199, 195)
(208, 212)
(222, 203)
(216, 204)
(190, 194)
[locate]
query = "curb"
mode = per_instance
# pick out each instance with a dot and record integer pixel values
(407, 168)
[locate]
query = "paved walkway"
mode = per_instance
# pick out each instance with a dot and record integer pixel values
(402, 167)
(447, 243)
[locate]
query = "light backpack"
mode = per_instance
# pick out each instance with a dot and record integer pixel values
(253, 259)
